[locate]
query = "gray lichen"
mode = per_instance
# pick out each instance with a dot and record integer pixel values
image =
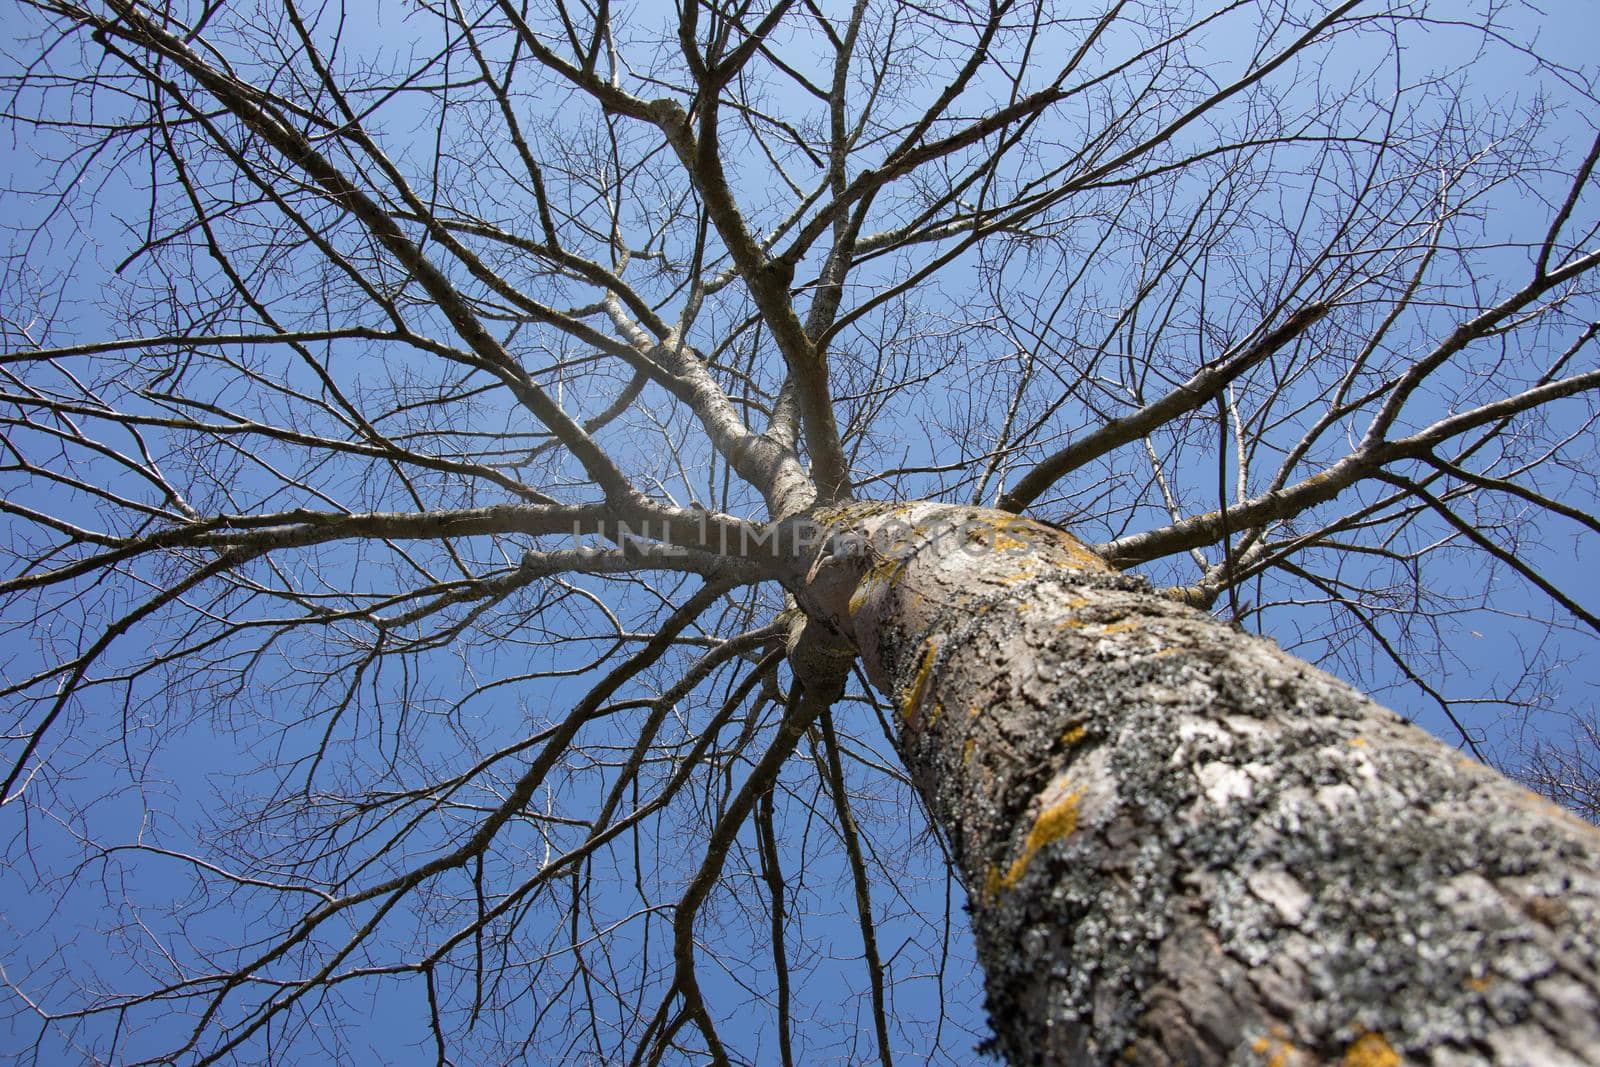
(1184, 846)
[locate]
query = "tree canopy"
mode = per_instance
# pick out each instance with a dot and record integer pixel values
(404, 405)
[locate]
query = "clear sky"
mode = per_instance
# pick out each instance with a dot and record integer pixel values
(149, 773)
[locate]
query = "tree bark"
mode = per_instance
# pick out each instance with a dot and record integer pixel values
(1184, 846)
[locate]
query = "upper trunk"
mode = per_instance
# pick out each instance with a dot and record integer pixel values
(1182, 845)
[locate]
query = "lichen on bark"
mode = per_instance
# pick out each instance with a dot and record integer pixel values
(1182, 845)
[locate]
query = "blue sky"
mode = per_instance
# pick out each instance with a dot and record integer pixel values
(167, 768)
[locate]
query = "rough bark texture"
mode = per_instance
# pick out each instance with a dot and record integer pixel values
(1184, 846)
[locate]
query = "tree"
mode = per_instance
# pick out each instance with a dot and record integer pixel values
(516, 514)
(1567, 768)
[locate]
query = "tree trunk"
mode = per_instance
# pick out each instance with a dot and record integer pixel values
(1184, 846)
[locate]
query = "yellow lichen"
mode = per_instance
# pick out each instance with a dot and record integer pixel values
(1274, 1050)
(991, 883)
(883, 574)
(1053, 824)
(1358, 742)
(834, 515)
(966, 751)
(1078, 552)
(1004, 542)
(1073, 736)
(1479, 984)
(1370, 1050)
(1105, 629)
(1002, 534)
(919, 683)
